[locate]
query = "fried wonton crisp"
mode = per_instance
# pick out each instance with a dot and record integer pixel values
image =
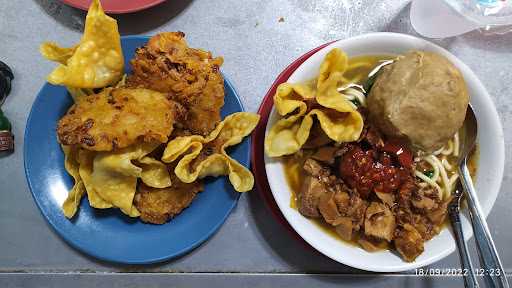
(53, 52)
(206, 156)
(298, 103)
(86, 159)
(96, 62)
(110, 178)
(154, 173)
(114, 175)
(70, 205)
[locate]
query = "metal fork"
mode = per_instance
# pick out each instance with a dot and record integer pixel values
(465, 260)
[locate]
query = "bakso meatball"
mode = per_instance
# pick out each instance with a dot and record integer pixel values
(421, 97)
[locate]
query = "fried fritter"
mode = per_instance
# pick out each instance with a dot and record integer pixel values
(117, 117)
(158, 205)
(190, 76)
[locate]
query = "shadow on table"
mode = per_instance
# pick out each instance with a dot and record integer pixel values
(363, 280)
(488, 42)
(132, 23)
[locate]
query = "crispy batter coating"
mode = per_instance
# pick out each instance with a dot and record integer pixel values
(117, 117)
(159, 205)
(190, 76)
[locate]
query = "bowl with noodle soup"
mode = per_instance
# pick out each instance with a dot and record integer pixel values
(359, 235)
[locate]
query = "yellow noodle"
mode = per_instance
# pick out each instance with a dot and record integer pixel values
(441, 167)
(446, 164)
(438, 151)
(456, 145)
(444, 175)
(453, 179)
(449, 150)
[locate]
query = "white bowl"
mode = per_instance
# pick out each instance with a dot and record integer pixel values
(490, 166)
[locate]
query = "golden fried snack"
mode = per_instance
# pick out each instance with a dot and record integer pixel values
(114, 175)
(86, 161)
(117, 117)
(70, 205)
(198, 157)
(158, 205)
(110, 178)
(97, 61)
(53, 52)
(190, 76)
(338, 118)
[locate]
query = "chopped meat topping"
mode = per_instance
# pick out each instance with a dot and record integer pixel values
(367, 192)
(379, 221)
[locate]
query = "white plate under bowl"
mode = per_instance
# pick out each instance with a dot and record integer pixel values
(490, 166)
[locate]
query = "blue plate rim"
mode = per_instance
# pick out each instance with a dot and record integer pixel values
(91, 252)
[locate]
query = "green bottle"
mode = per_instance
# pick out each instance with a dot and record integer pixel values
(5, 124)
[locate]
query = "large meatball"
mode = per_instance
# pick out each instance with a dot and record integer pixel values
(421, 97)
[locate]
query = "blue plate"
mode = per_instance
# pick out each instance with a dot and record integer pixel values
(109, 234)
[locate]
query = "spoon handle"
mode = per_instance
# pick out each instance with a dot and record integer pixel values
(489, 260)
(468, 273)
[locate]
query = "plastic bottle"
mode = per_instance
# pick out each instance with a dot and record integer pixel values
(446, 18)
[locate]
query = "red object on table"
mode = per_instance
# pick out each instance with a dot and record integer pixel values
(257, 142)
(116, 6)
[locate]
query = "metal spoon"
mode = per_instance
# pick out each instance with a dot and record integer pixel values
(489, 260)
